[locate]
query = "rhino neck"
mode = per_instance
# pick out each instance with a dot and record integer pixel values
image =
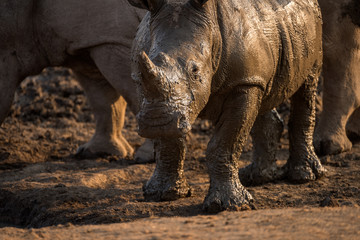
(223, 18)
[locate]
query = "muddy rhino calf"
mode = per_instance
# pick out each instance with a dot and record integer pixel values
(93, 38)
(341, 71)
(231, 62)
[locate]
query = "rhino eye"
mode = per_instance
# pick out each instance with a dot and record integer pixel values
(195, 71)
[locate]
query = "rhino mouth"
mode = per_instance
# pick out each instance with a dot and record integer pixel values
(162, 126)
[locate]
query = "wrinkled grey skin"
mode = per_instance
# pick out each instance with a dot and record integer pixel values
(341, 71)
(231, 62)
(93, 38)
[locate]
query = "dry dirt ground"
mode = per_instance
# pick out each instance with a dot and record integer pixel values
(46, 192)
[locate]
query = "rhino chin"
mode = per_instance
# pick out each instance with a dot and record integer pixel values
(171, 129)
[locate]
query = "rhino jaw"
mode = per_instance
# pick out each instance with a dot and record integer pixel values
(154, 124)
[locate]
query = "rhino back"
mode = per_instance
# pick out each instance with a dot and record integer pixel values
(278, 41)
(75, 25)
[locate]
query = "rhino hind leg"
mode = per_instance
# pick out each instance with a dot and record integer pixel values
(6, 99)
(266, 134)
(9, 81)
(113, 62)
(341, 92)
(330, 134)
(224, 149)
(109, 111)
(303, 164)
(168, 181)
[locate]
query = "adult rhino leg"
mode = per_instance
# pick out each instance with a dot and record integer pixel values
(224, 149)
(109, 111)
(9, 81)
(330, 134)
(341, 95)
(303, 164)
(266, 134)
(113, 61)
(6, 98)
(168, 181)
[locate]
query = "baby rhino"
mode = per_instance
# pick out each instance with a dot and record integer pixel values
(231, 62)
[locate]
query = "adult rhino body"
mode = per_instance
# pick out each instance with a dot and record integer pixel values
(341, 71)
(231, 62)
(91, 37)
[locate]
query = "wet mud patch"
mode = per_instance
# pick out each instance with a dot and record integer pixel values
(42, 184)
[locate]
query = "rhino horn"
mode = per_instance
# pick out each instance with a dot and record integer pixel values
(151, 79)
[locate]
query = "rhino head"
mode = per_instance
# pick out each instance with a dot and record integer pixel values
(177, 70)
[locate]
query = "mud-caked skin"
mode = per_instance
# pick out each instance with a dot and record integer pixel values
(341, 72)
(93, 38)
(266, 134)
(231, 62)
(173, 185)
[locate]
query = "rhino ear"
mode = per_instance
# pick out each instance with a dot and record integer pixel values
(151, 5)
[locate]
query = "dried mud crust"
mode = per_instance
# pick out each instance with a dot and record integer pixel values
(230, 196)
(43, 184)
(166, 189)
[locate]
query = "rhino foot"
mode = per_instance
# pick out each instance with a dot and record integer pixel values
(166, 189)
(304, 171)
(101, 147)
(227, 196)
(333, 144)
(254, 174)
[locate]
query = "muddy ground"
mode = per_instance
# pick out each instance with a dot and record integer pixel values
(43, 185)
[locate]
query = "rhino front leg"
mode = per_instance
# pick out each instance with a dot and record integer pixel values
(224, 149)
(265, 134)
(330, 133)
(303, 164)
(168, 181)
